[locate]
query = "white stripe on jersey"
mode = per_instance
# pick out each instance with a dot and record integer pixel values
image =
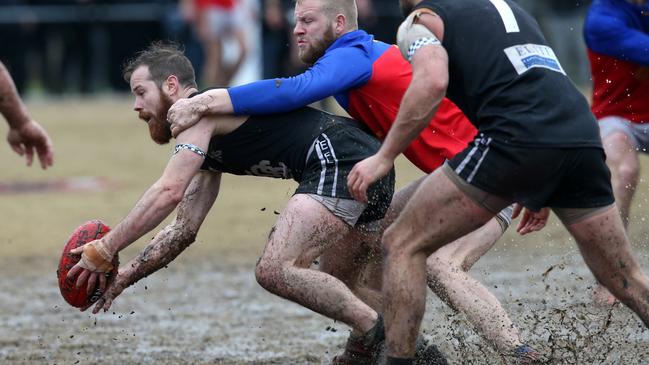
(333, 154)
(466, 160)
(479, 162)
(323, 163)
(308, 154)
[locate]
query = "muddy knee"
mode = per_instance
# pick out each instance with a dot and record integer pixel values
(269, 274)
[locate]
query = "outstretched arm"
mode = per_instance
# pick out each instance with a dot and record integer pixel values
(152, 208)
(330, 75)
(169, 242)
(25, 134)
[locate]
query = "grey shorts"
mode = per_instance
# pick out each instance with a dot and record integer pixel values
(637, 133)
(332, 156)
(349, 210)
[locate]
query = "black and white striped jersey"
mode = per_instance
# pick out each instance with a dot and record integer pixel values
(314, 148)
(273, 145)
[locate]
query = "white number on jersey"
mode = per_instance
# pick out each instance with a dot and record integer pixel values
(507, 15)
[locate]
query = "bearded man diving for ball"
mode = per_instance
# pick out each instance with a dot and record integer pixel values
(314, 148)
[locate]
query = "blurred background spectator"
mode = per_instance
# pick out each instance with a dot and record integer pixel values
(214, 22)
(279, 53)
(72, 46)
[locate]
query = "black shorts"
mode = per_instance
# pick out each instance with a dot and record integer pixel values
(330, 159)
(537, 177)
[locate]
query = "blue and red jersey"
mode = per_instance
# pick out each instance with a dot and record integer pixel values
(368, 79)
(617, 36)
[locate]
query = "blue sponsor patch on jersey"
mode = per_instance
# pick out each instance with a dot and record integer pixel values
(528, 56)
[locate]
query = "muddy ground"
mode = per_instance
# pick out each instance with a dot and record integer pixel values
(206, 308)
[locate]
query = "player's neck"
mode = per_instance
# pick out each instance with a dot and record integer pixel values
(184, 93)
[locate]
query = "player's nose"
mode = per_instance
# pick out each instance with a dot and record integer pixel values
(137, 105)
(298, 29)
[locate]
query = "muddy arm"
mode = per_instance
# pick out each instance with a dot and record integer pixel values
(172, 240)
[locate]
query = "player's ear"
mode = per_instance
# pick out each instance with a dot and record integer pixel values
(340, 22)
(172, 85)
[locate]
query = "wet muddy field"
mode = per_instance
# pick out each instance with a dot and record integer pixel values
(206, 307)
(212, 312)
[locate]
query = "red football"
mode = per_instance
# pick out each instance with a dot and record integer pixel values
(85, 233)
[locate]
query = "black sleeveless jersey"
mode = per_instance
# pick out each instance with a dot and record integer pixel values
(274, 145)
(506, 79)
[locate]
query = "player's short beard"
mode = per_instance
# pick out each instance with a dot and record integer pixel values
(159, 128)
(312, 54)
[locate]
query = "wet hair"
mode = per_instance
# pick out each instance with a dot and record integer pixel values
(346, 7)
(163, 59)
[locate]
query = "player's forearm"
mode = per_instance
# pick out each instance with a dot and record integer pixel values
(176, 237)
(273, 96)
(11, 106)
(329, 76)
(213, 102)
(165, 194)
(164, 248)
(402, 133)
(154, 206)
